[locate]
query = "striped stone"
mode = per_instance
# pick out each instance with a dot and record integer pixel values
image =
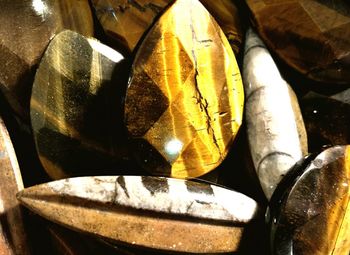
(73, 106)
(26, 29)
(159, 213)
(314, 214)
(276, 131)
(184, 102)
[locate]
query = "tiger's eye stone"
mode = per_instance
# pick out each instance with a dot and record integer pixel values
(314, 213)
(127, 21)
(312, 36)
(185, 97)
(25, 31)
(327, 121)
(73, 106)
(226, 14)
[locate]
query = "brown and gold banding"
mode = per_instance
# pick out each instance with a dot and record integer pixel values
(316, 214)
(26, 29)
(73, 105)
(185, 96)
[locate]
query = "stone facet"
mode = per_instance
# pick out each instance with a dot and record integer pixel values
(275, 127)
(74, 116)
(185, 97)
(158, 213)
(25, 31)
(313, 214)
(312, 36)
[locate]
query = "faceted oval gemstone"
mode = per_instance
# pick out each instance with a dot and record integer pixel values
(127, 21)
(314, 213)
(185, 97)
(312, 36)
(25, 31)
(73, 106)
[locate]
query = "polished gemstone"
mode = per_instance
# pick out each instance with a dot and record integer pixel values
(127, 21)
(275, 127)
(312, 36)
(152, 212)
(74, 109)
(185, 97)
(25, 31)
(226, 14)
(327, 121)
(313, 215)
(13, 238)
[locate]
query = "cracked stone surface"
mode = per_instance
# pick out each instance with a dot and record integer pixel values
(184, 102)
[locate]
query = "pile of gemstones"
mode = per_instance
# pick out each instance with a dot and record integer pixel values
(175, 127)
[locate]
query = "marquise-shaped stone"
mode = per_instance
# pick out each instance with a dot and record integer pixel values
(127, 21)
(313, 214)
(25, 31)
(74, 109)
(312, 36)
(185, 97)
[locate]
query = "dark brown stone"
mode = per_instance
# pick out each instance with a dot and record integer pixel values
(75, 116)
(312, 215)
(327, 121)
(25, 31)
(312, 36)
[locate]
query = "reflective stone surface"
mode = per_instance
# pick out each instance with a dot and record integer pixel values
(275, 126)
(226, 14)
(13, 237)
(312, 36)
(327, 121)
(74, 109)
(158, 213)
(184, 102)
(312, 215)
(127, 21)
(25, 31)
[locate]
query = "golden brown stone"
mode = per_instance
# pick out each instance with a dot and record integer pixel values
(226, 14)
(184, 101)
(312, 36)
(313, 214)
(13, 238)
(26, 29)
(74, 113)
(127, 21)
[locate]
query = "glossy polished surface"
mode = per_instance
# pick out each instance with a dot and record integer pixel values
(127, 21)
(226, 14)
(312, 36)
(275, 127)
(25, 31)
(314, 213)
(158, 213)
(185, 98)
(13, 238)
(73, 106)
(327, 121)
